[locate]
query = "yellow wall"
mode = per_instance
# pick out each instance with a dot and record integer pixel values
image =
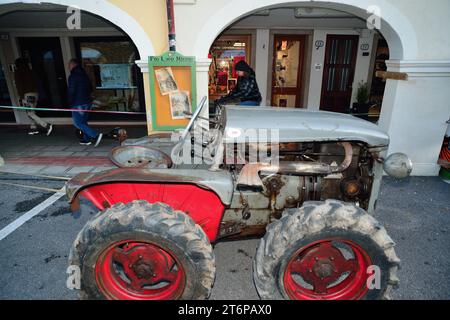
(152, 16)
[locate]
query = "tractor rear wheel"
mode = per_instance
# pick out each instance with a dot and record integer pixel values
(325, 251)
(143, 251)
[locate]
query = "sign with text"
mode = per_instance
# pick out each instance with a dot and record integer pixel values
(173, 90)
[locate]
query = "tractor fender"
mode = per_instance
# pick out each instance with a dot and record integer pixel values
(201, 194)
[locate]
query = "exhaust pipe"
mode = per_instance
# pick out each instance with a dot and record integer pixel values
(249, 176)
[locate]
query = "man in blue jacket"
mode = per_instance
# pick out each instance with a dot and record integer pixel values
(80, 97)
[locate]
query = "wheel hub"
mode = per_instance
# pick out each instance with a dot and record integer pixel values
(143, 270)
(138, 270)
(326, 273)
(323, 269)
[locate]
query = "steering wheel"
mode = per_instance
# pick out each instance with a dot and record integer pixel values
(179, 145)
(193, 119)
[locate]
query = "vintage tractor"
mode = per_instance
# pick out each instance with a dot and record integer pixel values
(310, 199)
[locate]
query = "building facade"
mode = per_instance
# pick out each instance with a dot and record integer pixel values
(313, 55)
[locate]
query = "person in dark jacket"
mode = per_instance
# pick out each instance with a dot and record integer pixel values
(80, 97)
(246, 90)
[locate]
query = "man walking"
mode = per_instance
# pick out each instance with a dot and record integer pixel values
(27, 90)
(80, 91)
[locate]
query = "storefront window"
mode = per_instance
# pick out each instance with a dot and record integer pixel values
(225, 53)
(110, 64)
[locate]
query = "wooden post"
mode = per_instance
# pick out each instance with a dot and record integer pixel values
(391, 75)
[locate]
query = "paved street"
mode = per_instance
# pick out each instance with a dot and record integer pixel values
(33, 258)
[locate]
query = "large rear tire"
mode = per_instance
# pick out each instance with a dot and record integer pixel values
(143, 251)
(325, 250)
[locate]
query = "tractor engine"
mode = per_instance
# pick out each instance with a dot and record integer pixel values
(306, 172)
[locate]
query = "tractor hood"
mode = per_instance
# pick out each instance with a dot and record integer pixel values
(297, 125)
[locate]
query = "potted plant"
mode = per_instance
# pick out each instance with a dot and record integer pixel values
(361, 106)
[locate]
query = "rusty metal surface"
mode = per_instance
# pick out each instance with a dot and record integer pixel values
(140, 157)
(237, 231)
(220, 182)
(249, 175)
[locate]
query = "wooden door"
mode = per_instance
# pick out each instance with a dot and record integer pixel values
(339, 72)
(289, 53)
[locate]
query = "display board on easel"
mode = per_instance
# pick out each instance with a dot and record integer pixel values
(173, 90)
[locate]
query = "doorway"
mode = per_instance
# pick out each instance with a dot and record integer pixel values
(289, 53)
(339, 72)
(48, 66)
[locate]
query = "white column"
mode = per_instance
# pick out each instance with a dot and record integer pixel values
(415, 112)
(203, 81)
(143, 65)
(262, 62)
(316, 73)
(68, 52)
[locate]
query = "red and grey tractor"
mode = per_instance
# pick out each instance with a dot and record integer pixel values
(310, 201)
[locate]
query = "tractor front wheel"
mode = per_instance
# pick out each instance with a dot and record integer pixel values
(142, 251)
(325, 251)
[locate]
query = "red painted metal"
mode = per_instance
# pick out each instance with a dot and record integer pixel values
(135, 270)
(202, 205)
(323, 266)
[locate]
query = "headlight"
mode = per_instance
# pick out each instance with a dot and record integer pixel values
(398, 165)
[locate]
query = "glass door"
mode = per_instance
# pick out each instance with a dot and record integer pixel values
(48, 67)
(287, 71)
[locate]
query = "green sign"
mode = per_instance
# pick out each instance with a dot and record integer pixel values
(173, 90)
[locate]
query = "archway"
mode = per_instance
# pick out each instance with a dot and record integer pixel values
(328, 77)
(396, 29)
(105, 40)
(105, 10)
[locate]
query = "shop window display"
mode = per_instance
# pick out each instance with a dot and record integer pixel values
(110, 64)
(225, 53)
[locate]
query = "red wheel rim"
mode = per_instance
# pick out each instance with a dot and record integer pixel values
(331, 269)
(134, 270)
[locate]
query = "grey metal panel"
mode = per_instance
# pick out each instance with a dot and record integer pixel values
(297, 125)
(220, 182)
